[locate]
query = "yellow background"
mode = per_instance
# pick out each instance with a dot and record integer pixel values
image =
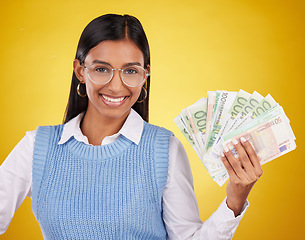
(196, 46)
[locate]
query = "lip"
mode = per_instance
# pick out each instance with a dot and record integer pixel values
(113, 104)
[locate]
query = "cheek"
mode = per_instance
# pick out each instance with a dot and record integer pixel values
(91, 90)
(136, 93)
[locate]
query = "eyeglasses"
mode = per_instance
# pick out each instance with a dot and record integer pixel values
(131, 76)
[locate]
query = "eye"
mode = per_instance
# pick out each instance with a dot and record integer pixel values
(101, 69)
(132, 70)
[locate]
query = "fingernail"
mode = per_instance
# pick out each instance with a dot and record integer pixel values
(234, 141)
(222, 154)
(226, 148)
(243, 139)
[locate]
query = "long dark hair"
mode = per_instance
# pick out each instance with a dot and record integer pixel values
(108, 27)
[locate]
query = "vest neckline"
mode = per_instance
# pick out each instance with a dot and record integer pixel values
(100, 152)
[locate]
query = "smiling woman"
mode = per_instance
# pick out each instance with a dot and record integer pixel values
(106, 173)
(110, 29)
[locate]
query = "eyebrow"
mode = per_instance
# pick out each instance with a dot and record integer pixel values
(125, 65)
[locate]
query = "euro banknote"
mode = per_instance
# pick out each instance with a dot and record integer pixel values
(211, 123)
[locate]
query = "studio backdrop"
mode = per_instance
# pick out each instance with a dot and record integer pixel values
(196, 46)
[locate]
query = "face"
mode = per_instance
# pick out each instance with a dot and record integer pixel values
(114, 99)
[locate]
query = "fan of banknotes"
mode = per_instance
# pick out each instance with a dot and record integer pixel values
(212, 122)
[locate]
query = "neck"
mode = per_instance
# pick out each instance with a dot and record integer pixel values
(96, 127)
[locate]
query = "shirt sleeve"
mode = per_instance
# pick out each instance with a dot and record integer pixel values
(16, 179)
(180, 207)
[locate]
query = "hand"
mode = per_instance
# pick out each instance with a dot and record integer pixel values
(243, 171)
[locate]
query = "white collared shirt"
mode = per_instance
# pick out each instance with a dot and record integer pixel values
(180, 208)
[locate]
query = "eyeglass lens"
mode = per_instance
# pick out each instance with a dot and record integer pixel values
(132, 75)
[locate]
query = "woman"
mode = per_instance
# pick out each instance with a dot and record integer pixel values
(106, 173)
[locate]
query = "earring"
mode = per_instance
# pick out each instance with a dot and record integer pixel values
(144, 97)
(78, 92)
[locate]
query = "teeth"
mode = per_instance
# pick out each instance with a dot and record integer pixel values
(115, 100)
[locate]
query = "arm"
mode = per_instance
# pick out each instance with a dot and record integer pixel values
(16, 179)
(180, 208)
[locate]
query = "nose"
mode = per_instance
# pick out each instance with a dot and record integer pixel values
(116, 85)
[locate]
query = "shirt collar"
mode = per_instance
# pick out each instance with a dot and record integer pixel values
(131, 129)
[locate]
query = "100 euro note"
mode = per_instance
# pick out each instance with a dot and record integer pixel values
(188, 125)
(192, 119)
(196, 115)
(210, 108)
(223, 106)
(210, 166)
(253, 100)
(186, 134)
(265, 104)
(240, 100)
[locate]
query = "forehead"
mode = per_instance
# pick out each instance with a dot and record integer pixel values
(116, 53)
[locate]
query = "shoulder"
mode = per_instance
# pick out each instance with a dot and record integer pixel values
(45, 132)
(47, 128)
(157, 129)
(174, 141)
(58, 126)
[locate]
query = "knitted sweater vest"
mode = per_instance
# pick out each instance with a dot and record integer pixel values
(111, 191)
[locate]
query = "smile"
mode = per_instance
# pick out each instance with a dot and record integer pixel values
(113, 101)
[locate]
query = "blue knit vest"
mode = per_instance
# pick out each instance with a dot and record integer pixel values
(111, 191)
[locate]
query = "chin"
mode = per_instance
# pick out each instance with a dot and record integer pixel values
(116, 114)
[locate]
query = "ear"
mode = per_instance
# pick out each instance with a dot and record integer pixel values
(148, 68)
(79, 70)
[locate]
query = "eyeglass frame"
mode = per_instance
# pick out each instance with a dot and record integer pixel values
(147, 74)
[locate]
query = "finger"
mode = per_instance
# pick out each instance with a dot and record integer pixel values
(244, 159)
(228, 166)
(252, 156)
(235, 164)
